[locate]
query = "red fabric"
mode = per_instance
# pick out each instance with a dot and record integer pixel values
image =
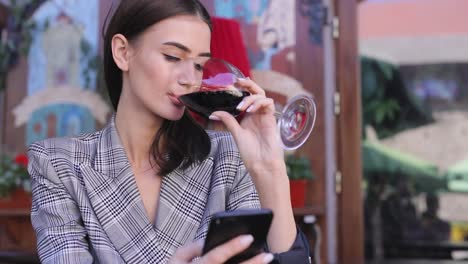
(228, 44)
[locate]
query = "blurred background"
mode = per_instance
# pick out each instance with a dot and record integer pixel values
(383, 177)
(415, 128)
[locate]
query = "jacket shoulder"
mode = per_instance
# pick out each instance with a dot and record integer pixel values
(75, 149)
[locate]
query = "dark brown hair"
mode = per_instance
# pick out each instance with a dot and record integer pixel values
(185, 142)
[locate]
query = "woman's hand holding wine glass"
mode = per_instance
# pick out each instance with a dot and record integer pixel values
(223, 87)
(256, 135)
(224, 93)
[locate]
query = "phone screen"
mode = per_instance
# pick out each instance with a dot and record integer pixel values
(226, 225)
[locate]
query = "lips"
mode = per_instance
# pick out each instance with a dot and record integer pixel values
(175, 100)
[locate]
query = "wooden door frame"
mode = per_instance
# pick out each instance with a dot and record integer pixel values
(348, 136)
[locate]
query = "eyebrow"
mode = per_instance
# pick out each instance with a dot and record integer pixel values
(186, 49)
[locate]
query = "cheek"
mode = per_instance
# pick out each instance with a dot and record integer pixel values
(152, 73)
(151, 66)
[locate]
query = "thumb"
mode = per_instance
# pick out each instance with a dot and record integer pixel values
(229, 121)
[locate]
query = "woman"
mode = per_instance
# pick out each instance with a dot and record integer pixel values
(142, 190)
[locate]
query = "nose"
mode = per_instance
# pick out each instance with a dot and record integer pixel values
(189, 76)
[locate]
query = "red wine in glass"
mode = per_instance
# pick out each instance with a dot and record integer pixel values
(206, 102)
(218, 92)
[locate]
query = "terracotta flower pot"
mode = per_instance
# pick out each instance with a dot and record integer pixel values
(297, 189)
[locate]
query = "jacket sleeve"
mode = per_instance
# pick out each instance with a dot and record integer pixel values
(299, 253)
(56, 219)
(244, 195)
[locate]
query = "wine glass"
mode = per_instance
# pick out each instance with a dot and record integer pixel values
(218, 92)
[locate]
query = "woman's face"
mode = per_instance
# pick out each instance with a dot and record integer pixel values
(164, 63)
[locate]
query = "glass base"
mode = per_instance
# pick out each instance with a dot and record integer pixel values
(297, 121)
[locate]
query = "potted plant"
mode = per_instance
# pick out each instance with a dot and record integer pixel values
(299, 172)
(15, 185)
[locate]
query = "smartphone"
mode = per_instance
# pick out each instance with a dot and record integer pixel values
(226, 225)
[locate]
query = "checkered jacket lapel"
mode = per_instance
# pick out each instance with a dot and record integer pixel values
(181, 205)
(115, 198)
(114, 195)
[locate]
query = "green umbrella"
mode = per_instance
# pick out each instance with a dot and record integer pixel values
(457, 177)
(378, 158)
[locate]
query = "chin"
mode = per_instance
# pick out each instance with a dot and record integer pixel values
(168, 111)
(174, 116)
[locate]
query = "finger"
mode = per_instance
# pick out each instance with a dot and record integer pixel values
(189, 252)
(260, 259)
(247, 101)
(222, 253)
(266, 104)
(229, 121)
(250, 86)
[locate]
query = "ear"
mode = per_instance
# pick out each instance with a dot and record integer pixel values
(120, 51)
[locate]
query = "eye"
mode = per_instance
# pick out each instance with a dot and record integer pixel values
(198, 67)
(171, 58)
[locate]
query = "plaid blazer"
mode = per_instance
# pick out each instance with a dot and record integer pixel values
(87, 208)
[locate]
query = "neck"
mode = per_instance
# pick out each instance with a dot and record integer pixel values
(136, 130)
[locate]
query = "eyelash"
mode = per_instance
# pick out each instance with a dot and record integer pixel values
(170, 58)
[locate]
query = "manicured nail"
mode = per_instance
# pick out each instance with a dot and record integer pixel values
(239, 106)
(246, 240)
(249, 109)
(213, 117)
(268, 257)
(241, 79)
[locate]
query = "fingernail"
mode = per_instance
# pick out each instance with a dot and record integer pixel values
(268, 258)
(239, 106)
(246, 240)
(250, 108)
(241, 79)
(213, 117)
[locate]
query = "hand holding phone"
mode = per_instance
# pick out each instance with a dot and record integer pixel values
(225, 226)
